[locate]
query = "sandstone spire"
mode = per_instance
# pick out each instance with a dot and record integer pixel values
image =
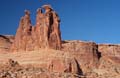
(45, 34)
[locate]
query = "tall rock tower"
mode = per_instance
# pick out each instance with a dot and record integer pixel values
(45, 34)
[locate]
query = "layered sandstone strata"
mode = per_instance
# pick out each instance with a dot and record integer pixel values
(61, 59)
(5, 42)
(86, 53)
(109, 50)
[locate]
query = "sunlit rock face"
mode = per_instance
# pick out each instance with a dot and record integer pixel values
(109, 50)
(86, 53)
(45, 34)
(5, 42)
(67, 58)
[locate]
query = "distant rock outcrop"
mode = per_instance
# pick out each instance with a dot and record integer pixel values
(5, 42)
(109, 50)
(45, 34)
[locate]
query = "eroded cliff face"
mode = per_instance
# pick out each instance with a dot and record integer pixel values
(45, 55)
(86, 53)
(45, 34)
(109, 50)
(6, 42)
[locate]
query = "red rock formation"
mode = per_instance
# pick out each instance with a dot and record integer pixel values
(45, 34)
(5, 42)
(84, 52)
(77, 58)
(109, 50)
(68, 65)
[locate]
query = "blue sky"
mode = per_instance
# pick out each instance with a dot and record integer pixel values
(89, 20)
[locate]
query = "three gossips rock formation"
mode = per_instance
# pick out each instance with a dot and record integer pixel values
(45, 34)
